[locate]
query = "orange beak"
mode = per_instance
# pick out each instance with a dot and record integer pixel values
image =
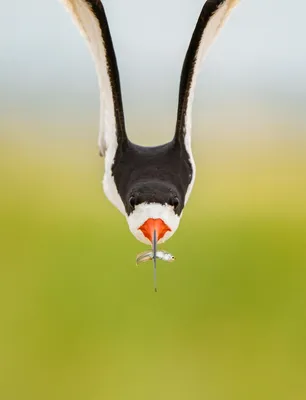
(152, 224)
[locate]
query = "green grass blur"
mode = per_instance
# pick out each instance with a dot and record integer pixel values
(80, 321)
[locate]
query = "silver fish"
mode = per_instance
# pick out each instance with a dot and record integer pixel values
(149, 255)
(154, 254)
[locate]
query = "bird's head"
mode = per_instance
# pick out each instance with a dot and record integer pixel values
(154, 206)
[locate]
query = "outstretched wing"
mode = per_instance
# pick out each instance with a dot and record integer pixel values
(89, 16)
(212, 17)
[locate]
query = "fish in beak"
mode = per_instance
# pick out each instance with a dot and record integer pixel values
(154, 230)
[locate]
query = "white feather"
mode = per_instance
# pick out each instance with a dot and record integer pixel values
(89, 27)
(209, 35)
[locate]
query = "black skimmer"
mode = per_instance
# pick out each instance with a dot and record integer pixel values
(149, 185)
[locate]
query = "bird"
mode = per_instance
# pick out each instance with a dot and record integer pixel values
(150, 186)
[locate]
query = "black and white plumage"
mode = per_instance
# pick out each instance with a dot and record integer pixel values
(149, 185)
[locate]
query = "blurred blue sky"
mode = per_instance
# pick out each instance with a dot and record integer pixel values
(46, 69)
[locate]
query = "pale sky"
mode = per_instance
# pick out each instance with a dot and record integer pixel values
(45, 64)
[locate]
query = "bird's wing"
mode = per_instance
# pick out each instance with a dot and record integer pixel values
(89, 16)
(212, 17)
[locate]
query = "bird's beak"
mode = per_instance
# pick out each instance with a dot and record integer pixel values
(154, 230)
(152, 225)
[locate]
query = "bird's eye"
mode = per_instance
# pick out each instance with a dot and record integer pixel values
(132, 202)
(174, 202)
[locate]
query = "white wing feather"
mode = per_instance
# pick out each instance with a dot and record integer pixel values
(89, 27)
(209, 35)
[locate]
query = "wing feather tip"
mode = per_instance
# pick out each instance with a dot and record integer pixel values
(231, 4)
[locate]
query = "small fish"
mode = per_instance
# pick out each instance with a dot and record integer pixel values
(148, 256)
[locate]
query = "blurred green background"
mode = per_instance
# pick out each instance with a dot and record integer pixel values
(78, 319)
